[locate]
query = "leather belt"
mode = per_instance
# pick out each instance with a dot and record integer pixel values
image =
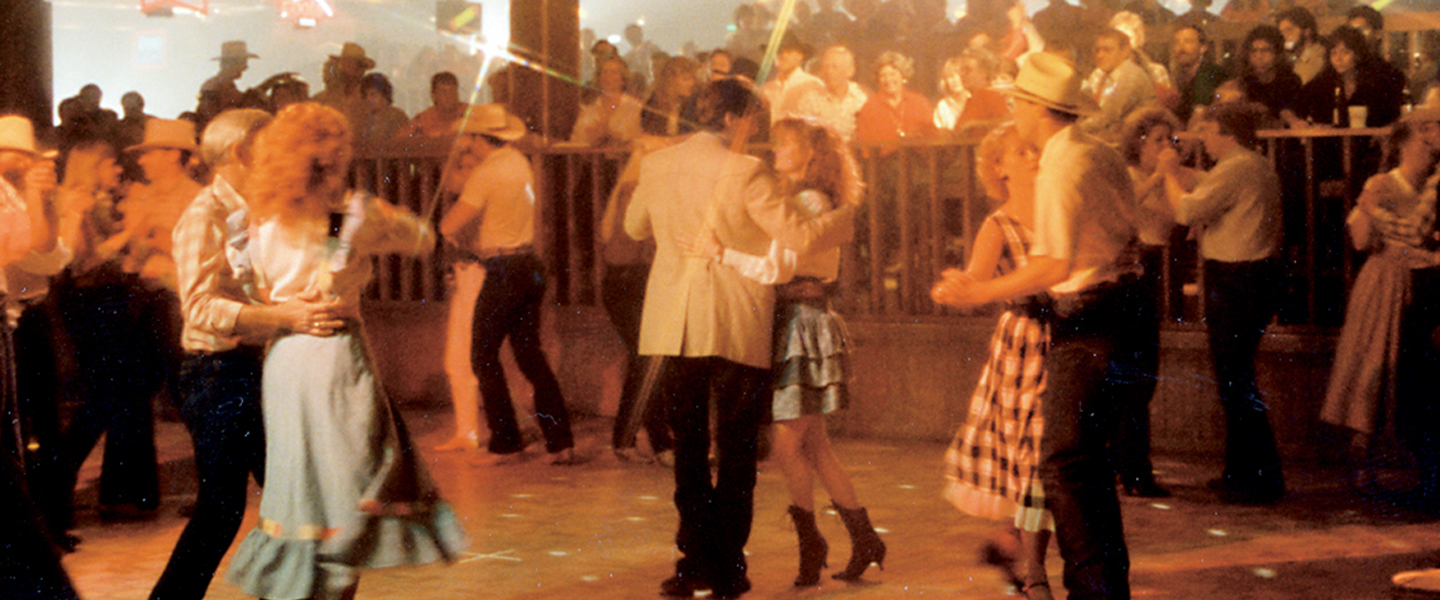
(498, 252)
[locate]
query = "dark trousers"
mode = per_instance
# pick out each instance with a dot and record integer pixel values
(1240, 299)
(220, 402)
(38, 338)
(715, 516)
(623, 293)
(1132, 445)
(29, 564)
(1417, 409)
(1089, 372)
(509, 307)
(117, 330)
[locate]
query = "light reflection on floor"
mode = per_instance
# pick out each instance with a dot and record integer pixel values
(604, 529)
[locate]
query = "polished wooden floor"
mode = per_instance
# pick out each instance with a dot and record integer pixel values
(603, 530)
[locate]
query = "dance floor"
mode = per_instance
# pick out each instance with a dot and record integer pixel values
(604, 530)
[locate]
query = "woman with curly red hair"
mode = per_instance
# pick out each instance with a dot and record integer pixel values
(343, 490)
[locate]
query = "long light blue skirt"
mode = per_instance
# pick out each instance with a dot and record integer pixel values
(343, 483)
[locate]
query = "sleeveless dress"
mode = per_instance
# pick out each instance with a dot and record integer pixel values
(344, 486)
(992, 466)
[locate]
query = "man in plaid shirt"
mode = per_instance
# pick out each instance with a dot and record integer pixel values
(223, 337)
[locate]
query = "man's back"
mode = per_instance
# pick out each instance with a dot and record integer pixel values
(695, 307)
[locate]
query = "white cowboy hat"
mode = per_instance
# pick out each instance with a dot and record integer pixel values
(233, 50)
(17, 133)
(1052, 81)
(493, 120)
(176, 134)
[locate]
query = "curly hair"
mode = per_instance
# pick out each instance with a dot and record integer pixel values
(832, 170)
(1139, 124)
(900, 62)
(988, 157)
(301, 161)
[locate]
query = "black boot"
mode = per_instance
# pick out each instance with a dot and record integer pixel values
(812, 547)
(865, 544)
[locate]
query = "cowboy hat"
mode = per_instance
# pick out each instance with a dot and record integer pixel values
(234, 50)
(493, 120)
(790, 41)
(1051, 81)
(175, 134)
(353, 51)
(16, 133)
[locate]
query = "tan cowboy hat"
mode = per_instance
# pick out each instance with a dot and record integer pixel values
(493, 120)
(1051, 81)
(17, 133)
(176, 134)
(353, 51)
(234, 50)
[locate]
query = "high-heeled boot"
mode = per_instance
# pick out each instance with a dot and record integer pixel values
(812, 547)
(865, 545)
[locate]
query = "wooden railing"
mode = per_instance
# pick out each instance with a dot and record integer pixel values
(923, 207)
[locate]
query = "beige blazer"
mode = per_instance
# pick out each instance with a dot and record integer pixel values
(714, 311)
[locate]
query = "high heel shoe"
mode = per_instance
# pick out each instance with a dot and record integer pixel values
(813, 548)
(460, 443)
(1143, 487)
(866, 547)
(997, 556)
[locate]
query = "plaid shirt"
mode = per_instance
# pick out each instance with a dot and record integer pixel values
(211, 292)
(1409, 227)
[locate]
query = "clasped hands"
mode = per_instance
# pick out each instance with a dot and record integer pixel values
(957, 289)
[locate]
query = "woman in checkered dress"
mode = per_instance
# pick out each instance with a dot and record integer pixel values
(992, 466)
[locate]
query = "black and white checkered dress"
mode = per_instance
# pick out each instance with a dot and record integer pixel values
(993, 465)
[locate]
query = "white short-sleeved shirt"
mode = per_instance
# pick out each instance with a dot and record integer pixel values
(1084, 210)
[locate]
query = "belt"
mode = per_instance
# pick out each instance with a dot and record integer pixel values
(498, 252)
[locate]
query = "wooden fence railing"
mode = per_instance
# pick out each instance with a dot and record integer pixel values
(923, 207)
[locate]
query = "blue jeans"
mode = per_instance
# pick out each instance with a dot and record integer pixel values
(220, 403)
(1089, 372)
(1240, 299)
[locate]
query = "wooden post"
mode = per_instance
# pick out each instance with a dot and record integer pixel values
(25, 62)
(546, 32)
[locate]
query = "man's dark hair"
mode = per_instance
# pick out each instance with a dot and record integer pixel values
(443, 77)
(1301, 18)
(728, 96)
(1269, 34)
(1372, 17)
(379, 83)
(1237, 119)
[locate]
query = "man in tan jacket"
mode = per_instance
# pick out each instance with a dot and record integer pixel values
(713, 325)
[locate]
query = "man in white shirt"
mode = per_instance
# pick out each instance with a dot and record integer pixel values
(836, 103)
(1084, 256)
(1236, 207)
(790, 83)
(498, 201)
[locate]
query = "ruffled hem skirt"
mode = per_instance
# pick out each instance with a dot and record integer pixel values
(343, 483)
(809, 356)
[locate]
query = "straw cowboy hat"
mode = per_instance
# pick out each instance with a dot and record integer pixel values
(493, 120)
(234, 50)
(17, 133)
(1051, 81)
(353, 51)
(175, 134)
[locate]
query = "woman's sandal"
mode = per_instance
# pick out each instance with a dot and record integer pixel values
(1037, 590)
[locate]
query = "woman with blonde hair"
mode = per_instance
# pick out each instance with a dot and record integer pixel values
(343, 488)
(816, 174)
(993, 464)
